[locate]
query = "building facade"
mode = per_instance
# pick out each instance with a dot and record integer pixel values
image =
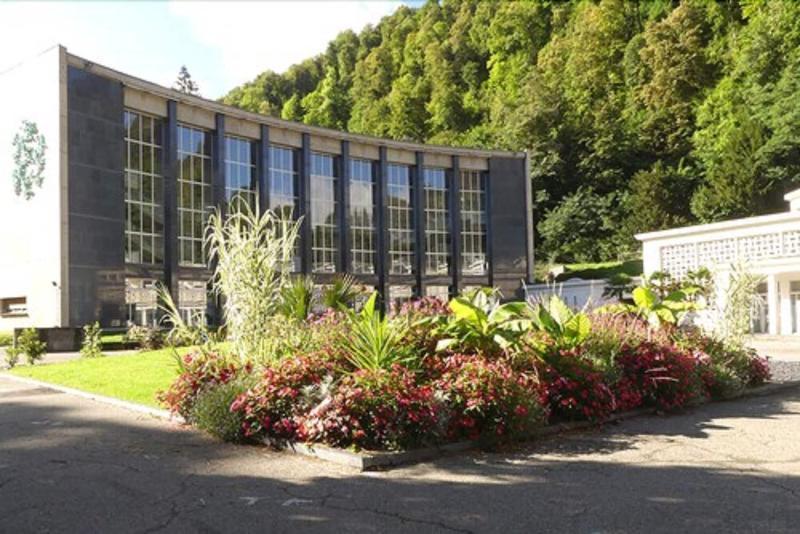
(768, 245)
(133, 170)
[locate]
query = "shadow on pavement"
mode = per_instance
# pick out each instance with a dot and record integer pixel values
(69, 465)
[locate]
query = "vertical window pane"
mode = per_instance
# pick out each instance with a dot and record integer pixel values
(240, 173)
(284, 187)
(473, 222)
(194, 183)
(361, 217)
(400, 220)
(144, 209)
(324, 212)
(437, 222)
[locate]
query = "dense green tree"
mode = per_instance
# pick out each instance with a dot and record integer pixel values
(659, 198)
(583, 227)
(640, 109)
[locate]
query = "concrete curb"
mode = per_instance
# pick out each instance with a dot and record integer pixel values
(130, 406)
(372, 460)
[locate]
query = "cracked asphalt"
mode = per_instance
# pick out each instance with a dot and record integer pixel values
(74, 465)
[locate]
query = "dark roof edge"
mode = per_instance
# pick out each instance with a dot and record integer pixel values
(232, 111)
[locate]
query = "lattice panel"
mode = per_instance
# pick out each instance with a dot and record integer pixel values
(791, 243)
(679, 259)
(760, 247)
(717, 251)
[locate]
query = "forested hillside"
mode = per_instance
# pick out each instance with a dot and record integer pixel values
(637, 115)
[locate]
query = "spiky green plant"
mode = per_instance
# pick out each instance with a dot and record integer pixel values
(374, 342)
(297, 298)
(251, 252)
(342, 293)
(180, 333)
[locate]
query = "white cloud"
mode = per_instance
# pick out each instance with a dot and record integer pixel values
(255, 36)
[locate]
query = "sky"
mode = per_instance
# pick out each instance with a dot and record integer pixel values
(223, 44)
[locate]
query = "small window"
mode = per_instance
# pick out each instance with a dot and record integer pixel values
(440, 292)
(17, 306)
(192, 301)
(400, 294)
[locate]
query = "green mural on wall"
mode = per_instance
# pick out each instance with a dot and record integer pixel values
(30, 150)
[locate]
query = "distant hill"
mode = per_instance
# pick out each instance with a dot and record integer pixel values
(637, 115)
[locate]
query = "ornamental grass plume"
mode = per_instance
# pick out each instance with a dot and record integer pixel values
(251, 252)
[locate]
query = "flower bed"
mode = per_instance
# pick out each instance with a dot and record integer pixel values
(429, 374)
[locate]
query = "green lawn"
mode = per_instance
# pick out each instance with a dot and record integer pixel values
(602, 270)
(134, 377)
(592, 271)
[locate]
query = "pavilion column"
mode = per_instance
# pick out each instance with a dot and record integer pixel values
(773, 305)
(785, 319)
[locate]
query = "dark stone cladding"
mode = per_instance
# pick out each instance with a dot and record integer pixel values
(509, 210)
(97, 269)
(96, 199)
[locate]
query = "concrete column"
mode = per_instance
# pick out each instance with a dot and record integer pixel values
(785, 318)
(773, 305)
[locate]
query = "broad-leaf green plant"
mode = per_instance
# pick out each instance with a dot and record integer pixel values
(479, 323)
(657, 310)
(565, 327)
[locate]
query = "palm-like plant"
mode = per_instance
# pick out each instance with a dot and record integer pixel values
(341, 294)
(374, 342)
(297, 298)
(251, 252)
(180, 332)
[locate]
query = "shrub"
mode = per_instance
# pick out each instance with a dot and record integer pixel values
(720, 381)
(488, 398)
(422, 316)
(28, 343)
(664, 376)
(575, 390)
(273, 406)
(12, 356)
(212, 411)
(92, 344)
(146, 337)
(740, 361)
(198, 371)
(381, 409)
(6, 339)
(758, 371)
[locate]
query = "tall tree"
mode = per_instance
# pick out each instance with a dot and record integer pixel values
(185, 83)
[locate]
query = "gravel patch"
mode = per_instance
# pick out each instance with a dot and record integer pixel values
(783, 371)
